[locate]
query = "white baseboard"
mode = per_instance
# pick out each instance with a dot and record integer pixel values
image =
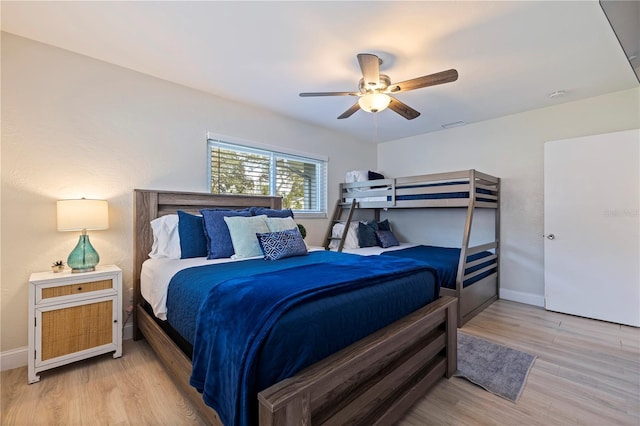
(127, 332)
(522, 297)
(16, 358)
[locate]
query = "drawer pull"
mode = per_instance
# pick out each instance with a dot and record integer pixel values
(79, 288)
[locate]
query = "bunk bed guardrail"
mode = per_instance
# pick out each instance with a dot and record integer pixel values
(450, 189)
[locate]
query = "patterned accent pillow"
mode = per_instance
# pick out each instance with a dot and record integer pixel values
(279, 245)
(386, 239)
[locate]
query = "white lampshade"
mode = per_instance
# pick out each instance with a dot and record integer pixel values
(374, 102)
(76, 215)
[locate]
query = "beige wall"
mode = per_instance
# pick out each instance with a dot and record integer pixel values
(510, 147)
(73, 127)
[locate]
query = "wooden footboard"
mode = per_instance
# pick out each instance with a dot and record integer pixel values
(375, 380)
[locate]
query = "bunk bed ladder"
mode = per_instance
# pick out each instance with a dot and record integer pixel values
(338, 213)
(465, 240)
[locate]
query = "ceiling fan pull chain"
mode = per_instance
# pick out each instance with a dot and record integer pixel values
(375, 128)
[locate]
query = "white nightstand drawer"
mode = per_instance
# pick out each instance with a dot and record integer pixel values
(65, 286)
(79, 288)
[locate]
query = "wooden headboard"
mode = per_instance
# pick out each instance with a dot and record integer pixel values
(149, 204)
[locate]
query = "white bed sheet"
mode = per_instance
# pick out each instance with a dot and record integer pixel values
(376, 250)
(366, 199)
(156, 275)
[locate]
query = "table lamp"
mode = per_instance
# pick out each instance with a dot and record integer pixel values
(83, 215)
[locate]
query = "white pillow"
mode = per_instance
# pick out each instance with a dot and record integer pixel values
(243, 232)
(277, 224)
(166, 239)
(356, 176)
(351, 242)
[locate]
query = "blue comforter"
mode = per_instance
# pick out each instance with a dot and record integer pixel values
(444, 261)
(330, 301)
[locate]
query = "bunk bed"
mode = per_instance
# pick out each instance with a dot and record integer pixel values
(372, 381)
(476, 268)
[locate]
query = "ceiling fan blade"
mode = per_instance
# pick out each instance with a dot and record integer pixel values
(308, 94)
(348, 113)
(424, 81)
(403, 109)
(370, 66)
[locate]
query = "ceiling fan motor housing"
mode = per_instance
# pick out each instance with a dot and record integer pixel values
(385, 81)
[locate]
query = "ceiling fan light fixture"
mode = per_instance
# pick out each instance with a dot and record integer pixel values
(374, 102)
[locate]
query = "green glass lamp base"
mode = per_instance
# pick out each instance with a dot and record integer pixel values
(78, 270)
(84, 257)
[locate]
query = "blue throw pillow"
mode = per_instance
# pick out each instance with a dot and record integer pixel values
(257, 211)
(375, 175)
(193, 241)
(279, 245)
(218, 238)
(367, 234)
(384, 225)
(386, 239)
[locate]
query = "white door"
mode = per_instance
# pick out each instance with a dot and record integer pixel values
(592, 226)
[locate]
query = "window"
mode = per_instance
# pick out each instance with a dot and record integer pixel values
(238, 169)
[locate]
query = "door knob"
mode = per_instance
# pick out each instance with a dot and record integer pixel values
(551, 237)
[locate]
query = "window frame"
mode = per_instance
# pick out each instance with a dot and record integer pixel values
(276, 153)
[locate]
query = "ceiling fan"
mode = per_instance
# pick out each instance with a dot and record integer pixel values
(375, 89)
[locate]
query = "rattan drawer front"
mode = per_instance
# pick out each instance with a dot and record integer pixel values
(69, 330)
(78, 288)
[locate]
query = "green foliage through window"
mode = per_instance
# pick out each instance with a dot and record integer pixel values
(237, 169)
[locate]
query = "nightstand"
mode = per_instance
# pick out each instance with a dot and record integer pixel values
(73, 317)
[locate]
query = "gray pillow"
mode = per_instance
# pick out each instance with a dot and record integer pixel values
(386, 239)
(367, 234)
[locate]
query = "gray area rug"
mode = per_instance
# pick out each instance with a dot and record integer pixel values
(498, 369)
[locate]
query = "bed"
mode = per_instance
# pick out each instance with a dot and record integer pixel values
(477, 267)
(371, 381)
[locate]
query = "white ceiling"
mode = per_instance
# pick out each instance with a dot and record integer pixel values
(509, 54)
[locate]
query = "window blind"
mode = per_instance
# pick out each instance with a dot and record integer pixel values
(238, 169)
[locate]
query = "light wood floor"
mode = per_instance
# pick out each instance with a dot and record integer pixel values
(587, 373)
